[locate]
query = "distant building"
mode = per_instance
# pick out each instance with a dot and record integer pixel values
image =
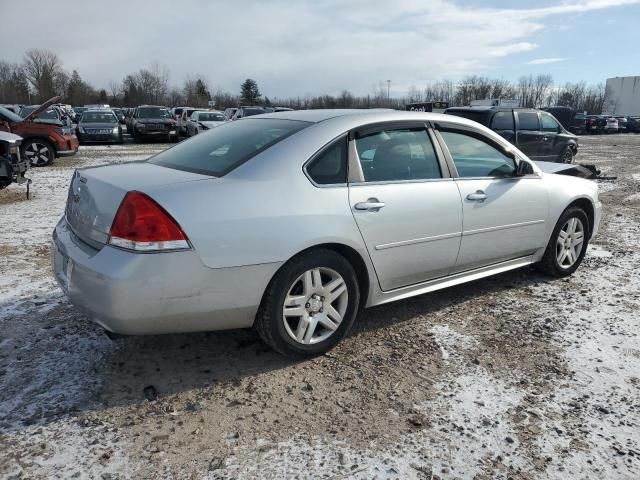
(623, 96)
(436, 107)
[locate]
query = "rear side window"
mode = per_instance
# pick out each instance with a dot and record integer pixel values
(528, 121)
(222, 149)
(330, 166)
(502, 121)
(397, 155)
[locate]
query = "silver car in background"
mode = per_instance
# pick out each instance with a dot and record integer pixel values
(291, 222)
(202, 120)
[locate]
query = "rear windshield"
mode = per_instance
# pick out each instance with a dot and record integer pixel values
(222, 149)
(153, 112)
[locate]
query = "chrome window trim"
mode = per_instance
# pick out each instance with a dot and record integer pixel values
(396, 182)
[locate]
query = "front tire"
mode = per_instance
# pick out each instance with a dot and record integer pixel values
(309, 305)
(567, 245)
(40, 153)
(566, 156)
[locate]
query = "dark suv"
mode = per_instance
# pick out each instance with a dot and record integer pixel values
(151, 121)
(537, 134)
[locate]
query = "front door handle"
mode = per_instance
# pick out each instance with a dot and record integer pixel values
(478, 196)
(371, 205)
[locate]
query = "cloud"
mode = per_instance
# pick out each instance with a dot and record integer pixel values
(544, 61)
(290, 47)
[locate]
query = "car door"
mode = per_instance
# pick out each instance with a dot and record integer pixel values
(405, 203)
(553, 142)
(503, 214)
(529, 136)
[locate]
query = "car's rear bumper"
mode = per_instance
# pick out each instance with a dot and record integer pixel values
(138, 294)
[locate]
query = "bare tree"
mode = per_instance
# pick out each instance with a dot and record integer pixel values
(43, 70)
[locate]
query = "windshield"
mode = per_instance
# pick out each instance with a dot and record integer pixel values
(98, 117)
(153, 112)
(9, 115)
(247, 112)
(210, 117)
(222, 149)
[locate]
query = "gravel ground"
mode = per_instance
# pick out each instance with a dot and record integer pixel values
(517, 376)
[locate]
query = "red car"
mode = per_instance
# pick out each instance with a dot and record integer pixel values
(43, 140)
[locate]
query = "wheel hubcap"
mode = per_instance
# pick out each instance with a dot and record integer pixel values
(568, 156)
(315, 305)
(37, 153)
(570, 242)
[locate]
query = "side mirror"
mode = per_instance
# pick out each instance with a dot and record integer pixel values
(524, 168)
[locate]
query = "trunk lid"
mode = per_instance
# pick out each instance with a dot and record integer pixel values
(96, 193)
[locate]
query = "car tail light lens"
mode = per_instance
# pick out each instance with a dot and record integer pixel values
(142, 225)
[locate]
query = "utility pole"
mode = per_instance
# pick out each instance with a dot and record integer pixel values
(388, 89)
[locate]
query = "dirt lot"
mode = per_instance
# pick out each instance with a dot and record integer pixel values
(517, 376)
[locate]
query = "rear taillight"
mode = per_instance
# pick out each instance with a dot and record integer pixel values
(142, 225)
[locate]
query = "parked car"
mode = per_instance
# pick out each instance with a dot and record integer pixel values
(119, 113)
(633, 124)
(184, 118)
(622, 124)
(152, 121)
(99, 125)
(298, 267)
(571, 120)
(595, 124)
(13, 166)
(611, 125)
(538, 134)
(42, 140)
(202, 120)
(242, 112)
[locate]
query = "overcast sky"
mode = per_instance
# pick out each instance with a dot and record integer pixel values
(297, 47)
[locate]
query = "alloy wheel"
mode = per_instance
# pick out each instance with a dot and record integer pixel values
(315, 305)
(568, 156)
(570, 242)
(37, 153)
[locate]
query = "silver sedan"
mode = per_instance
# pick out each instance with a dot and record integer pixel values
(292, 222)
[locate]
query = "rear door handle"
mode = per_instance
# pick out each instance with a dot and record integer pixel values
(371, 205)
(478, 196)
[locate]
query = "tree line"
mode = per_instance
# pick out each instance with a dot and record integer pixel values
(41, 75)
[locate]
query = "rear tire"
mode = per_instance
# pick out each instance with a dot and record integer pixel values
(567, 245)
(322, 296)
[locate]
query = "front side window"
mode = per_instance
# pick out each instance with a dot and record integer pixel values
(474, 157)
(528, 121)
(548, 123)
(222, 149)
(502, 121)
(330, 165)
(397, 155)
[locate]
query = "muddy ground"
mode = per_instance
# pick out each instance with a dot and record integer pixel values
(517, 376)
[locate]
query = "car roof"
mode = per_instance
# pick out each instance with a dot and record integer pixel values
(488, 108)
(315, 116)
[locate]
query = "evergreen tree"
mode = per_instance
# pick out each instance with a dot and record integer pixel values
(249, 92)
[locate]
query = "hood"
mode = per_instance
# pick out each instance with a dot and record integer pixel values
(211, 124)
(42, 108)
(155, 120)
(9, 137)
(99, 125)
(566, 169)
